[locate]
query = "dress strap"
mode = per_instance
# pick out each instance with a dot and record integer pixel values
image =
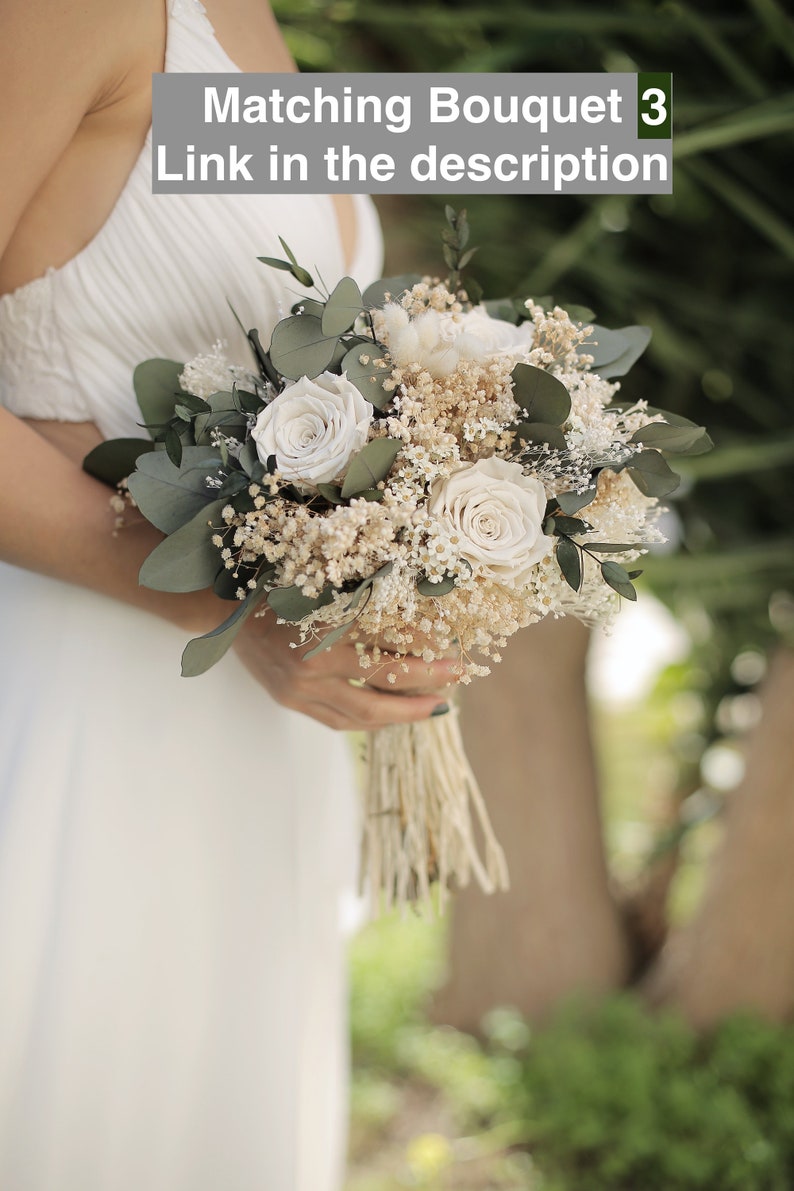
(192, 44)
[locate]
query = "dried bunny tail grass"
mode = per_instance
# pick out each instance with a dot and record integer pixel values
(423, 810)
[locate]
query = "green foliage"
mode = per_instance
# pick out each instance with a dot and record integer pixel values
(614, 352)
(186, 560)
(542, 397)
(606, 1097)
(113, 460)
(343, 307)
(371, 465)
(157, 388)
(168, 495)
(395, 963)
(202, 653)
(626, 1100)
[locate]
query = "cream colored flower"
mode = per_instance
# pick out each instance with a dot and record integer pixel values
(498, 514)
(313, 428)
(439, 340)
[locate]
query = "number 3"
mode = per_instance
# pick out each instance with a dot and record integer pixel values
(656, 99)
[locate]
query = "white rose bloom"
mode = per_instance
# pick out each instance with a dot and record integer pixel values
(438, 341)
(313, 428)
(498, 514)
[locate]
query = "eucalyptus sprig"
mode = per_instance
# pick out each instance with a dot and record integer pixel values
(455, 239)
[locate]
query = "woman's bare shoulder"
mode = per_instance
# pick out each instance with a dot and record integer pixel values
(59, 62)
(85, 41)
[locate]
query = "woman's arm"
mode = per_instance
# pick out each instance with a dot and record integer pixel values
(57, 520)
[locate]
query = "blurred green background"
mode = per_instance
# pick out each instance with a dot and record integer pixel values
(709, 269)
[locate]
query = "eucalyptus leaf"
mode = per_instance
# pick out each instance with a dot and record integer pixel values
(614, 352)
(342, 308)
(474, 290)
(613, 547)
(366, 377)
(372, 464)
(275, 263)
(308, 306)
(243, 502)
(572, 502)
(196, 405)
(157, 389)
(427, 587)
(339, 631)
(580, 314)
(618, 579)
(569, 560)
(331, 492)
(569, 525)
(226, 584)
(263, 359)
(173, 447)
(202, 653)
(168, 496)
(291, 604)
(388, 289)
(186, 560)
(340, 351)
(300, 274)
(540, 432)
(219, 406)
(247, 403)
(236, 481)
(678, 440)
(299, 347)
(542, 397)
(248, 457)
(330, 639)
(652, 474)
(368, 582)
(112, 461)
(229, 421)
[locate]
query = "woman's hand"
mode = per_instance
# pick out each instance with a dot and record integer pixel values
(328, 687)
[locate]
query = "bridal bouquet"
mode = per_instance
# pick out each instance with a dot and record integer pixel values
(406, 466)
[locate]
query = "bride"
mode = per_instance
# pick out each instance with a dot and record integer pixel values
(172, 852)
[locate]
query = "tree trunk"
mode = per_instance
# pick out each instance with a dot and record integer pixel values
(527, 735)
(738, 951)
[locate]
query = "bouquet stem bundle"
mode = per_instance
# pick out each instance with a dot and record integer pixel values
(424, 815)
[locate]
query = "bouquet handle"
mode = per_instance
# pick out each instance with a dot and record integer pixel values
(425, 818)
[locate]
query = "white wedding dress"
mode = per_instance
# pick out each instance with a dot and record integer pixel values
(173, 852)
